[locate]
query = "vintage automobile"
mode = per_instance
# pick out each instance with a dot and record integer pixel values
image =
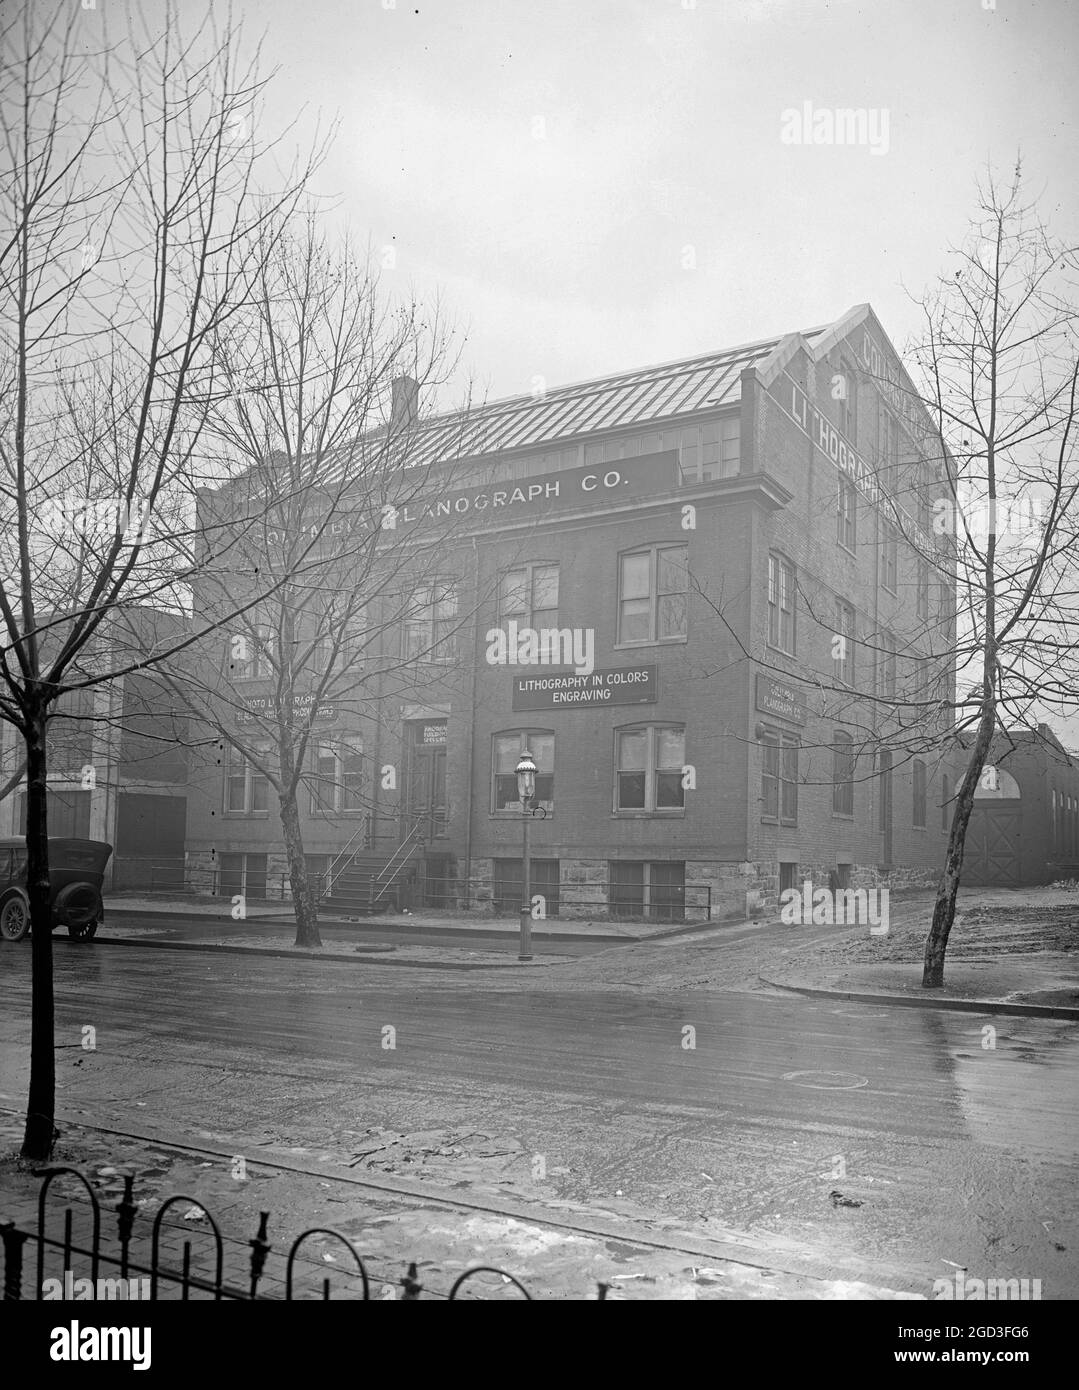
(76, 872)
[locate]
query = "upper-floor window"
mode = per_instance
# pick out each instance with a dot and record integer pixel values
(505, 755)
(847, 399)
(886, 667)
(779, 776)
(781, 587)
(847, 516)
(250, 652)
(338, 782)
(652, 591)
(529, 594)
(888, 449)
(247, 788)
(843, 643)
(711, 450)
(922, 593)
(431, 622)
(842, 773)
(918, 777)
(650, 769)
(889, 556)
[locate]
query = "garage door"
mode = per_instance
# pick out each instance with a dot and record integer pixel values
(992, 853)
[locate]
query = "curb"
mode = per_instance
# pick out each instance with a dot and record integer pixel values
(359, 958)
(968, 1006)
(380, 924)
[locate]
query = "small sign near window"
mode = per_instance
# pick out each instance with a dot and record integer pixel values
(778, 698)
(434, 733)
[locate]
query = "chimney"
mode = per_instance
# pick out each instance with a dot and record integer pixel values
(404, 402)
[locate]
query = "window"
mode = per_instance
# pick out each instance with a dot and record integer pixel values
(247, 789)
(649, 765)
(945, 803)
(847, 520)
(888, 449)
(779, 777)
(529, 594)
(888, 556)
(886, 658)
(250, 653)
(506, 751)
(842, 774)
(653, 889)
(652, 587)
(337, 788)
(710, 451)
(843, 647)
(781, 604)
(922, 600)
(848, 401)
(918, 778)
(430, 622)
(242, 875)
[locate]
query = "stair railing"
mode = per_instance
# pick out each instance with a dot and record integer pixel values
(395, 865)
(349, 852)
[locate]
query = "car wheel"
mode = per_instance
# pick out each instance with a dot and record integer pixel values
(14, 915)
(78, 907)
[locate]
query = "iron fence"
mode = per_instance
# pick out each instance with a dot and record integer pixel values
(157, 1279)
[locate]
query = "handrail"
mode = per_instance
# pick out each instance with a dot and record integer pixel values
(331, 869)
(402, 850)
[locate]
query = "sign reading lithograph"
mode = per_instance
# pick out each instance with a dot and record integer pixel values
(523, 499)
(262, 707)
(626, 685)
(778, 698)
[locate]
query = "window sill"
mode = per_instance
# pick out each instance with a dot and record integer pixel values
(651, 642)
(672, 814)
(782, 651)
(246, 815)
(843, 815)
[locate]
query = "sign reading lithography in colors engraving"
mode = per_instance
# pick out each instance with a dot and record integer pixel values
(626, 685)
(778, 698)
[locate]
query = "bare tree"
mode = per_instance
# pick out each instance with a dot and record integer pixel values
(999, 366)
(130, 235)
(321, 378)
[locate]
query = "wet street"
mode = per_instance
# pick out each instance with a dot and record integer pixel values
(735, 1113)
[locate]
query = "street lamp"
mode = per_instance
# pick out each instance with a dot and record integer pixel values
(526, 788)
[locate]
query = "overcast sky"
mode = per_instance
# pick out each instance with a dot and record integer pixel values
(597, 185)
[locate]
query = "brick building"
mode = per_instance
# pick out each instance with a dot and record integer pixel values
(744, 540)
(1024, 825)
(117, 759)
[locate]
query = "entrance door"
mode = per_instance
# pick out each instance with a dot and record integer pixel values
(886, 805)
(425, 786)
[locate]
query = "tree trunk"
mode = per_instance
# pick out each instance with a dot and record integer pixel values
(41, 1103)
(936, 943)
(302, 898)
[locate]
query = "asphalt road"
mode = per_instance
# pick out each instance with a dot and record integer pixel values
(960, 1153)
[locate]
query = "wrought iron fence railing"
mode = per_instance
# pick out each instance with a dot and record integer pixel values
(221, 1268)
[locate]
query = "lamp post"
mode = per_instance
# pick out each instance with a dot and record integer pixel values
(526, 789)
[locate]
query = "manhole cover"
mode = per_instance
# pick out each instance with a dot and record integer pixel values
(827, 1080)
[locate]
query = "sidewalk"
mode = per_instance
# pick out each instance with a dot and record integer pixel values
(1009, 952)
(558, 1249)
(199, 908)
